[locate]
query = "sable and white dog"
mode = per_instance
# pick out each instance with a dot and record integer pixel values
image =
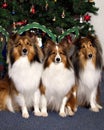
(87, 61)
(25, 68)
(57, 80)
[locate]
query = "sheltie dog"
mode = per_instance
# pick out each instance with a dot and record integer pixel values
(24, 69)
(87, 62)
(57, 79)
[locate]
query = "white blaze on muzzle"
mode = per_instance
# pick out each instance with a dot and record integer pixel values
(57, 57)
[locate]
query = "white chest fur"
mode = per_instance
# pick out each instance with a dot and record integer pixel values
(89, 80)
(58, 80)
(25, 75)
(90, 76)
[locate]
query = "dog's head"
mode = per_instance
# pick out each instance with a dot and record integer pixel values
(22, 46)
(87, 48)
(57, 53)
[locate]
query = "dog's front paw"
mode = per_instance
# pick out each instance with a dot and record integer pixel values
(25, 115)
(37, 113)
(71, 113)
(95, 109)
(62, 114)
(99, 106)
(44, 114)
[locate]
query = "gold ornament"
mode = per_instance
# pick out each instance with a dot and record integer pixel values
(63, 14)
(55, 0)
(46, 6)
(54, 19)
(90, 0)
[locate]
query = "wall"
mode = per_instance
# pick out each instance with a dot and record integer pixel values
(98, 22)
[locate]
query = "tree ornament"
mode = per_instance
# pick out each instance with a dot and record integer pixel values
(32, 10)
(91, 1)
(54, 19)
(4, 5)
(13, 12)
(87, 17)
(46, 6)
(55, 0)
(63, 14)
(69, 38)
(21, 23)
(81, 19)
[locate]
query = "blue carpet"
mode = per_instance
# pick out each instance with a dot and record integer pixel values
(84, 119)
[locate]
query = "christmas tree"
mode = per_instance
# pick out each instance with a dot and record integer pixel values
(56, 15)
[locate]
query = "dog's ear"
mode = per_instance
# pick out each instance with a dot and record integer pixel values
(65, 43)
(68, 46)
(39, 53)
(10, 44)
(48, 45)
(95, 41)
(32, 36)
(12, 38)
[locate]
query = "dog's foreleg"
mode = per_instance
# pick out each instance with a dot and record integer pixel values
(21, 101)
(36, 101)
(9, 104)
(93, 103)
(62, 108)
(44, 106)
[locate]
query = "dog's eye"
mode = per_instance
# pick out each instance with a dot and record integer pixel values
(90, 44)
(28, 43)
(82, 46)
(61, 53)
(52, 53)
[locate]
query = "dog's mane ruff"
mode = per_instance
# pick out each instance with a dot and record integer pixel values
(75, 58)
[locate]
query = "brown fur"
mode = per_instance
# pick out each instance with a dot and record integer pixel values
(72, 99)
(42, 88)
(7, 90)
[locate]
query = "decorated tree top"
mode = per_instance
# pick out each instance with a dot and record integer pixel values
(57, 15)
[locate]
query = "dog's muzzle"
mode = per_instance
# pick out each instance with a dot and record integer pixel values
(90, 56)
(57, 59)
(24, 51)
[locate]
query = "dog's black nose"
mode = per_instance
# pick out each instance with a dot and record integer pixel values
(24, 51)
(90, 55)
(57, 59)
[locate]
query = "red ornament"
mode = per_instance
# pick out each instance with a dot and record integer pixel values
(32, 10)
(20, 23)
(87, 17)
(69, 38)
(4, 5)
